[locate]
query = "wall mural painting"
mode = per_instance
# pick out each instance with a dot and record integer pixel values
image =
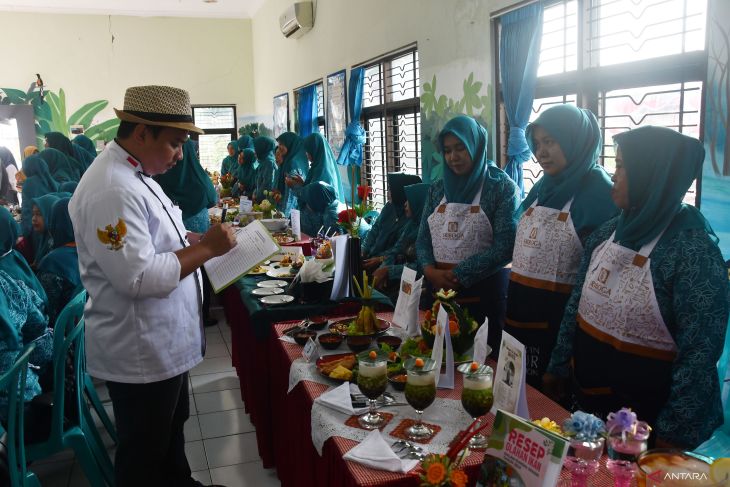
(437, 109)
(50, 114)
(281, 114)
(715, 195)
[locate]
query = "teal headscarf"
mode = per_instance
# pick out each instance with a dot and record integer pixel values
(187, 184)
(9, 334)
(58, 141)
(245, 142)
(38, 182)
(230, 163)
(11, 261)
(266, 176)
(246, 172)
(318, 195)
(68, 187)
(295, 162)
(416, 195)
(83, 156)
(463, 189)
(85, 143)
(324, 165)
(660, 166)
(63, 260)
(397, 181)
(42, 242)
(60, 166)
(577, 132)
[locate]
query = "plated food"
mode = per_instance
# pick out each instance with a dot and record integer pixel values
(348, 327)
(259, 269)
(283, 239)
(338, 367)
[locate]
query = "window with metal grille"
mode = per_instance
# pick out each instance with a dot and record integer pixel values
(219, 123)
(640, 62)
(391, 118)
(319, 86)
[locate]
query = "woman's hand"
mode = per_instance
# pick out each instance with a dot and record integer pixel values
(194, 238)
(295, 180)
(380, 277)
(441, 278)
(372, 263)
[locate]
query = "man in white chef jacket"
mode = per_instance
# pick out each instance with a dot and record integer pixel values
(140, 267)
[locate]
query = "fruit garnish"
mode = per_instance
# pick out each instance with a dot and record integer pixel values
(453, 327)
(474, 366)
(392, 356)
(419, 362)
(373, 354)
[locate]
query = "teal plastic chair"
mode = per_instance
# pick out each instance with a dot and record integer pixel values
(13, 382)
(73, 431)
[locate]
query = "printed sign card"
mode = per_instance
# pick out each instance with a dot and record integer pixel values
(509, 383)
(406, 308)
(296, 228)
(443, 337)
(480, 342)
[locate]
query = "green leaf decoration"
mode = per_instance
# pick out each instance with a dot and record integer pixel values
(104, 130)
(441, 104)
(58, 112)
(85, 114)
(14, 97)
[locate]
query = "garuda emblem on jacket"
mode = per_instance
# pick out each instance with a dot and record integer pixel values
(113, 236)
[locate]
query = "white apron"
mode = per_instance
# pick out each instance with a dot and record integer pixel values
(547, 249)
(459, 230)
(618, 304)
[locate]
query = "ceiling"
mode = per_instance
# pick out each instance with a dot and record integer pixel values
(140, 8)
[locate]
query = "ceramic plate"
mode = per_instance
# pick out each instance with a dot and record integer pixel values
(267, 291)
(342, 325)
(282, 273)
(271, 283)
(277, 299)
(283, 240)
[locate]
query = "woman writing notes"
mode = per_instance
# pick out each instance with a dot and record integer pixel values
(572, 199)
(468, 229)
(645, 323)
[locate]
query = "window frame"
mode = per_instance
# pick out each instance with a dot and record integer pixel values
(233, 132)
(590, 84)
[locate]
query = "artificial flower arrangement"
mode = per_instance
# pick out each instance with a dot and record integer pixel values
(268, 204)
(226, 182)
(350, 218)
(583, 427)
(626, 434)
(548, 424)
(445, 469)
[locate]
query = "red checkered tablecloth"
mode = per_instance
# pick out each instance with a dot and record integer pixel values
(297, 461)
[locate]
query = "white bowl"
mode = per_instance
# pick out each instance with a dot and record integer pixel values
(275, 224)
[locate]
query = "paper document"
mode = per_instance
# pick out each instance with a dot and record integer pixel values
(296, 228)
(255, 245)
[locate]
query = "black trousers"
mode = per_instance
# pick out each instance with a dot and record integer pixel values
(150, 419)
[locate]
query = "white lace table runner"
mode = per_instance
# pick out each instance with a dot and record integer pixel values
(449, 414)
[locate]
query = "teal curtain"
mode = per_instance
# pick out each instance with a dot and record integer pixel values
(519, 55)
(307, 111)
(355, 138)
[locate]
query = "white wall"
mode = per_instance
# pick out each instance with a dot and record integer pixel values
(453, 37)
(95, 57)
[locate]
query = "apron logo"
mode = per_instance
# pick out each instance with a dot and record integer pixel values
(113, 236)
(453, 227)
(532, 241)
(603, 275)
(533, 233)
(406, 288)
(599, 284)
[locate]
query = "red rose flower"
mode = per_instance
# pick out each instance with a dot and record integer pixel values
(363, 192)
(346, 216)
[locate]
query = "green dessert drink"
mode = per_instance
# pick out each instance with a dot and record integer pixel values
(372, 379)
(420, 394)
(477, 397)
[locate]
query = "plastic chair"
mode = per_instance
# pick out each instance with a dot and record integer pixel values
(13, 381)
(77, 432)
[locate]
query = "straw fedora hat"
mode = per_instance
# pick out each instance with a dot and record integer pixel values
(158, 105)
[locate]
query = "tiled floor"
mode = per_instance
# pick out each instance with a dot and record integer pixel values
(220, 439)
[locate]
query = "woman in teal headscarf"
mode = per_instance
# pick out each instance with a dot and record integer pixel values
(68, 187)
(230, 162)
(403, 253)
(189, 187)
(85, 143)
(58, 272)
(645, 323)
(11, 261)
(292, 160)
(37, 183)
(323, 167)
(468, 228)
(58, 141)
(318, 203)
(266, 176)
(41, 238)
(388, 225)
(572, 199)
(60, 166)
(245, 173)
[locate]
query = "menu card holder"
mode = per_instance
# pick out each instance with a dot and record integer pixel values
(509, 384)
(296, 228)
(443, 336)
(406, 308)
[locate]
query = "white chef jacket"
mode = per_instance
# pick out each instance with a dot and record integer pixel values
(142, 321)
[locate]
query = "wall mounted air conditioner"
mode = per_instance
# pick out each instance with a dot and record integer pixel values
(297, 20)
